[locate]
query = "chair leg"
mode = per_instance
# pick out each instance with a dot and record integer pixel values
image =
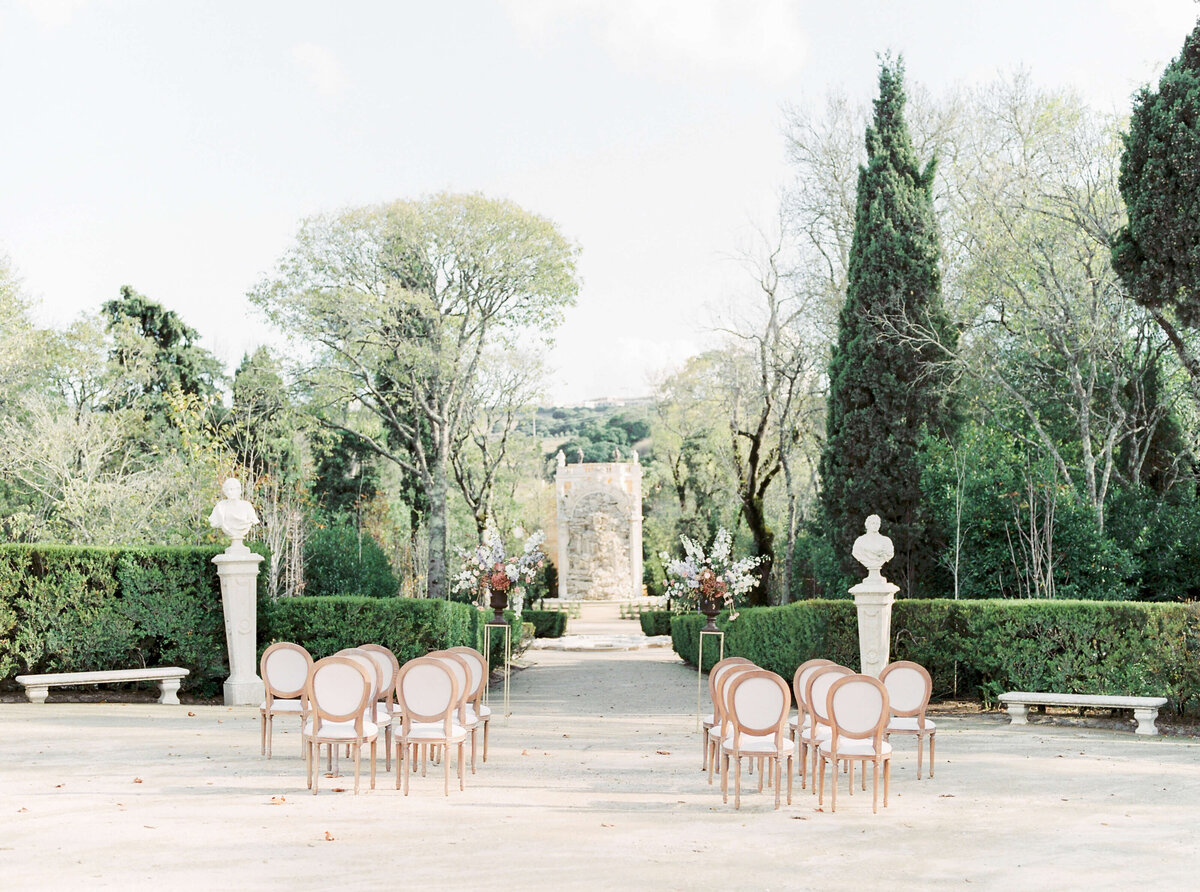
(715, 754)
(887, 779)
(920, 754)
(737, 782)
(262, 717)
(486, 723)
(460, 762)
(308, 762)
(374, 742)
(724, 776)
(778, 781)
(874, 786)
(704, 749)
(446, 772)
(790, 773)
(931, 736)
(863, 776)
(760, 773)
(850, 776)
(834, 785)
(399, 761)
(317, 772)
(473, 730)
(387, 748)
(821, 797)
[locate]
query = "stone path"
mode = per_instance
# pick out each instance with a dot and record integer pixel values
(594, 783)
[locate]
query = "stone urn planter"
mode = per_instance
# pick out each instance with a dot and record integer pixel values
(711, 608)
(498, 601)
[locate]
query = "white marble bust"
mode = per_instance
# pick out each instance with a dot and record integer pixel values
(872, 549)
(233, 515)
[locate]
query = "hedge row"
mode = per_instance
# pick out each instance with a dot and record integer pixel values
(983, 648)
(656, 622)
(65, 609)
(546, 623)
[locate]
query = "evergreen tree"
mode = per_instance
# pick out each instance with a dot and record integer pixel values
(886, 383)
(1157, 255)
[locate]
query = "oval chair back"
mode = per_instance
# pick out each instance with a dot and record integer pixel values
(817, 692)
(909, 686)
(857, 706)
(758, 702)
(388, 666)
(339, 690)
(800, 681)
(476, 663)
(284, 668)
(427, 691)
(462, 674)
(721, 702)
(364, 659)
(714, 674)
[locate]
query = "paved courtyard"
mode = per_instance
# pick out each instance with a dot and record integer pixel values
(593, 783)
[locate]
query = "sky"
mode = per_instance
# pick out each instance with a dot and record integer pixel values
(175, 147)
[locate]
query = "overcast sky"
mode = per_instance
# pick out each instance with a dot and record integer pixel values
(175, 146)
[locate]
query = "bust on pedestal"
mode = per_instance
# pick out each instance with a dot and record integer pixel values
(874, 597)
(238, 568)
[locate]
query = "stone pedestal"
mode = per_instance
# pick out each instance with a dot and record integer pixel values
(238, 568)
(874, 599)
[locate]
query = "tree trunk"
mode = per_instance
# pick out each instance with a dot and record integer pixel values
(437, 530)
(764, 541)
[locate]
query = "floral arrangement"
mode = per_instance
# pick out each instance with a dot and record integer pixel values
(713, 576)
(488, 567)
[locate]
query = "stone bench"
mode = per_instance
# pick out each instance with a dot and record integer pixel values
(1145, 709)
(168, 678)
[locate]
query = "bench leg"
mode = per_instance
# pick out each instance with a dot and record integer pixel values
(170, 691)
(1145, 721)
(37, 693)
(1018, 713)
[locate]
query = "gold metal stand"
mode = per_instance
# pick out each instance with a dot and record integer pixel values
(507, 629)
(700, 667)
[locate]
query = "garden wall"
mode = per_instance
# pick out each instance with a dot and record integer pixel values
(983, 648)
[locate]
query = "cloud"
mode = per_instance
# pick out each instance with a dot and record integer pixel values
(321, 67)
(53, 13)
(764, 38)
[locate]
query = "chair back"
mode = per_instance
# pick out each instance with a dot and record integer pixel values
(817, 691)
(388, 667)
(721, 700)
(368, 663)
(284, 668)
(800, 681)
(909, 686)
(462, 674)
(858, 708)
(477, 665)
(758, 702)
(714, 676)
(339, 689)
(427, 691)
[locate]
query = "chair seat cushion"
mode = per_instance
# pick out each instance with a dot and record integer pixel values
(848, 746)
(757, 745)
(278, 705)
(709, 720)
(908, 723)
(485, 713)
(807, 721)
(420, 732)
(341, 730)
(823, 732)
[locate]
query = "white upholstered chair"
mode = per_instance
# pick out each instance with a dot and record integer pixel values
(713, 718)
(385, 705)
(801, 721)
(476, 708)
(820, 729)
(909, 686)
(284, 668)
(719, 730)
(857, 706)
(757, 703)
(428, 695)
(339, 694)
(464, 715)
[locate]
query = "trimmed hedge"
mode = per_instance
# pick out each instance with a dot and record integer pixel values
(656, 622)
(67, 608)
(983, 648)
(546, 623)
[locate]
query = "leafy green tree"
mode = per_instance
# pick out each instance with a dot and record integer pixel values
(886, 388)
(1157, 255)
(400, 302)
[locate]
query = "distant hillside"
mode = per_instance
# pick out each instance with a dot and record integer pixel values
(594, 430)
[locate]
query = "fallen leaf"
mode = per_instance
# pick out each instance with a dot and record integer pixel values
(192, 715)
(328, 836)
(524, 752)
(59, 786)
(946, 796)
(606, 825)
(22, 811)
(278, 800)
(663, 752)
(137, 780)
(799, 817)
(339, 789)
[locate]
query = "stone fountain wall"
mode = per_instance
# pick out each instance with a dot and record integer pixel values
(599, 525)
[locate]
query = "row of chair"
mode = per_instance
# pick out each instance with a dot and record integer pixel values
(842, 718)
(346, 700)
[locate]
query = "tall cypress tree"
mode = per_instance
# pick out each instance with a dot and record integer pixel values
(886, 383)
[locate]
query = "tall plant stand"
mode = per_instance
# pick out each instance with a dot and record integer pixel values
(507, 631)
(700, 665)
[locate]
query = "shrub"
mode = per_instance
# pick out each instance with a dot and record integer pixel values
(656, 622)
(983, 647)
(66, 608)
(340, 561)
(546, 623)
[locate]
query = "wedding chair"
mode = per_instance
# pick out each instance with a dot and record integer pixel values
(339, 693)
(801, 721)
(476, 708)
(909, 686)
(388, 667)
(428, 694)
(815, 693)
(857, 706)
(712, 719)
(381, 718)
(462, 674)
(720, 730)
(757, 707)
(284, 669)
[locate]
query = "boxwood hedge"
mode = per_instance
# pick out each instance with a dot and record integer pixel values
(983, 648)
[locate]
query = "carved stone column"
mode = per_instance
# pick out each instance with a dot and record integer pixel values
(874, 602)
(238, 568)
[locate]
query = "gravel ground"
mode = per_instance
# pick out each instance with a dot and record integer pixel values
(593, 783)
